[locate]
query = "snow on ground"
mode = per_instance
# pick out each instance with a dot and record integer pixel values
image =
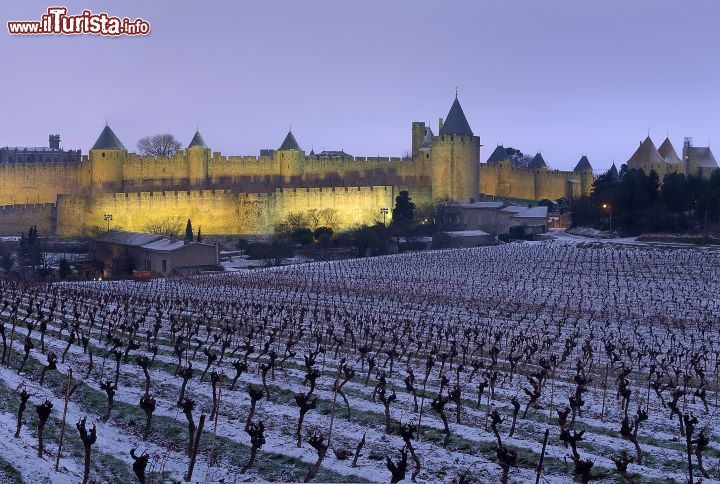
(498, 312)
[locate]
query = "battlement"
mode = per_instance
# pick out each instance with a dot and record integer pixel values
(253, 195)
(16, 219)
(40, 165)
(455, 138)
(177, 194)
(217, 157)
(333, 190)
(357, 159)
(27, 207)
(529, 171)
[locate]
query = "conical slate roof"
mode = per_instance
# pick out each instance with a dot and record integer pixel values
(667, 151)
(197, 141)
(583, 164)
(613, 172)
(456, 122)
(537, 162)
(108, 141)
(289, 143)
(427, 140)
(645, 154)
(498, 155)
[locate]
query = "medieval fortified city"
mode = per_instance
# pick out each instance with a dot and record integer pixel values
(468, 312)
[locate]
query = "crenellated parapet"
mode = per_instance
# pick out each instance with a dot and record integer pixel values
(17, 219)
(251, 194)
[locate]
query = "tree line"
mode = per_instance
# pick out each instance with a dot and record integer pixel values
(632, 202)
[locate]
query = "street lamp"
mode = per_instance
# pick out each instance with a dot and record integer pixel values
(384, 212)
(108, 219)
(608, 207)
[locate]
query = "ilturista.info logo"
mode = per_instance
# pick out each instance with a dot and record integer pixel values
(57, 22)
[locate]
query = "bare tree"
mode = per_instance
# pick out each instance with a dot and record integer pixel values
(168, 226)
(158, 145)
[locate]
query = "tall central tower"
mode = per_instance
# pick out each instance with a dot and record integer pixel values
(455, 157)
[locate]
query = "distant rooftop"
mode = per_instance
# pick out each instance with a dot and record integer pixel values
(645, 154)
(427, 140)
(583, 164)
(36, 149)
(667, 151)
(466, 233)
(498, 155)
(476, 204)
(537, 162)
(331, 153)
(128, 238)
(154, 242)
(533, 212)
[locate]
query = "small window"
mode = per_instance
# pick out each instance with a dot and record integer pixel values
(147, 265)
(164, 265)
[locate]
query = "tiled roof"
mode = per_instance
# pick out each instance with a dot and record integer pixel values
(667, 151)
(703, 156)
(645, 154)
(164, 245)
(128, 238)
(146, 241)
(477, 205)
(533, 212)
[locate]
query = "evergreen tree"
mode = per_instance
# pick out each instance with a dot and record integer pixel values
(188, 232)
(199, 237)
(32, 235)
(675, 194)
(604, 188)
(404, 212)
(64, 269)
(22, 250)
(652, 187)
(29, 247)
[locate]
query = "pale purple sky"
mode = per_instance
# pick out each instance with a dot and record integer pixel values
(561, 77)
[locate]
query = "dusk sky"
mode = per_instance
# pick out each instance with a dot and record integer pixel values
(562, 77)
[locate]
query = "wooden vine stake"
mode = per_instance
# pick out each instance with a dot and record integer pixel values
(605, 380)
(322, 450)
(193, 454)
(216, 412)
(62, 424)
(538, 471)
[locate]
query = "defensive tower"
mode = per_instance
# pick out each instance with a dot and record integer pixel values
(291, 159)
(107, 157)
(455, 156)
(198, 158)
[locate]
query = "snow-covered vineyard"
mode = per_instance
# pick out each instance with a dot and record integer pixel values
(433, 366)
